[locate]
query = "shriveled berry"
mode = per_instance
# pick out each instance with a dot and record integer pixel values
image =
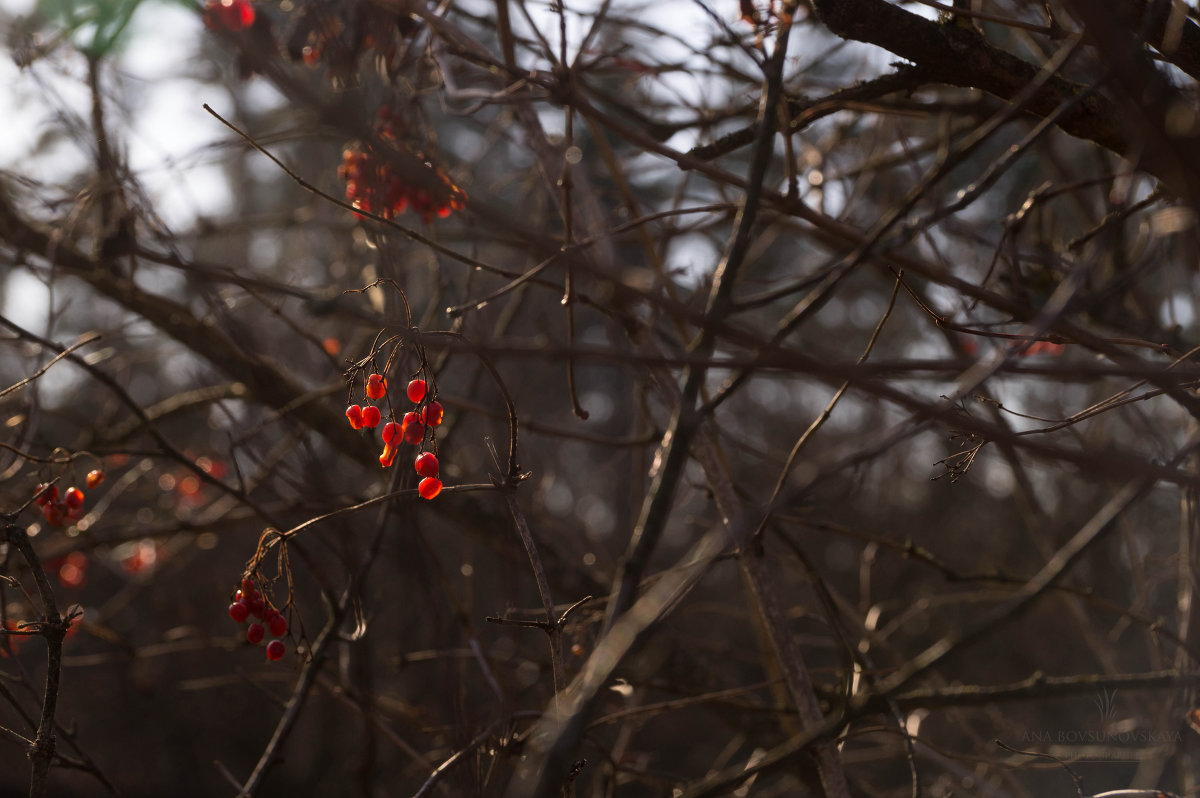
(354, 413)
(416, 391)
(275, 650)
(94, 478)
(255, 633)
(432, 414)
(430, 487)
(390, 450)
(371, 416)
(427, 464)
(277, 625)
(239, 611)
(376, 386)
(390, 431)
(73, 498)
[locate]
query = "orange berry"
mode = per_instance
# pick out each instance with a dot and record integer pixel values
(94, 478)
(389, 455)
(371, 416)
(376, 386)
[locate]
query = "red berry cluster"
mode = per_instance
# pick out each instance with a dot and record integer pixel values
(372, 184)
(58, 510)
(429, 414)
(231, 15)
(249, 602)
(411, 429)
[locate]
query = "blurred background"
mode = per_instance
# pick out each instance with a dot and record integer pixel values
(554, 189)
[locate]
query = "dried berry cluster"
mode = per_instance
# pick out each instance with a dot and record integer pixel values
(247, 603)
(374, 185)
(412, 428)
(69, 507)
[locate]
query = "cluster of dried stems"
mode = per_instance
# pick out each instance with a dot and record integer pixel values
(736, 286)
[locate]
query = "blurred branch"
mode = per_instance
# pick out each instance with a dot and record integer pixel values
(53, 627)
(82, 342)
(958, 56)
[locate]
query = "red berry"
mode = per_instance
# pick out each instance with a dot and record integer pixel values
(414, 433)
(371, 416)
(427, 464)
(55, 515)
(47, 494)
(277, 625)
(248, 586)
(376, 386)
(257, 606)
(416, 390)
(432, 414)
(354, 413)
(390, 431)
(255, 633)
(275, 650)
(245, 13)
(430, 487)
(94, 478)
(239, 611)
(234, 15)
(74, 498)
